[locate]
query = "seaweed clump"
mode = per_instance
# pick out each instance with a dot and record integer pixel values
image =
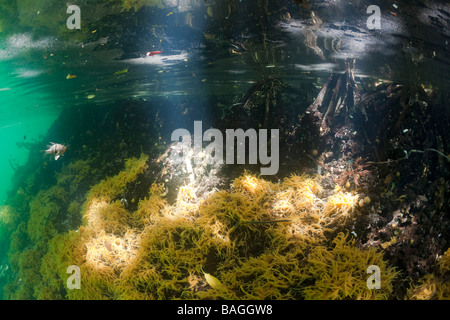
(256, 240)
(340, 272)
(41, 247)
(433, 286)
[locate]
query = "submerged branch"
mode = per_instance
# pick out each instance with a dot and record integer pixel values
(407, 154)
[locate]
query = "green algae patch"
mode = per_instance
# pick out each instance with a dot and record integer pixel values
(433, 286)
(39, 241)
(233, 244)
(137, 4)
(340, 272)
(255, 240)
(110, 187)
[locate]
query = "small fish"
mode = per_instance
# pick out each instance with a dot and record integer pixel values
(71, 76)
(171, 12)
(120, 72)
(152, 53)
(56, 149)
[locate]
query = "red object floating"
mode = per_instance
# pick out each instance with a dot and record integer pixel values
(152, 53)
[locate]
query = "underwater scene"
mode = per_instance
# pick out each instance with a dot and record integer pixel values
(225, 150)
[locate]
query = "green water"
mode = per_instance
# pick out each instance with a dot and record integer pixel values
(26, 114)
(34, 87)
(213, 53)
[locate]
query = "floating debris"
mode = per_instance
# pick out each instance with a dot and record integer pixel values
(108, 246)
(152, 53)
(121, 72)
(212, 281)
